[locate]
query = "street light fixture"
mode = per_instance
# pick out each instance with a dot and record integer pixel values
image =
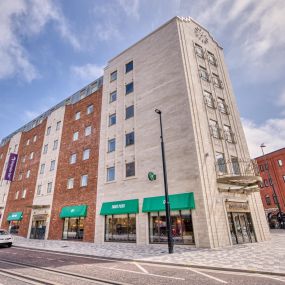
(262, 146)
(167, 205)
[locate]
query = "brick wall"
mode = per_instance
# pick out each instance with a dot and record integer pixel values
(3, 153)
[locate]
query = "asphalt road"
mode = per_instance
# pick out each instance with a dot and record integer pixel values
(30, 266)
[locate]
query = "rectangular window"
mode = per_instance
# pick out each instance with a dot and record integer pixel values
(208, 98)
(266, 183)
(39, 190)
(21, 176)
(111, 173)
(130, 169)
(48, 130)
(214, 129)
(28, 174)
(72, 158)
(82, 94)
(73, 229)
(221, 163)
(111, 145)
(70, 183)
(113, 76)
(268, 201)
(49, 187)
(90, 109)
(17, 195)
(129, 88)
(235, 165)
(86, 154)
(284, 178)
(58, 125)
(222, 107)
(112, 119)
(55, 144)
(27, 143)
(280, 163)
(129, 66)
(199, 51)
(130, 138)
(113, 96)
(217, 81)
(229, 136)
(52, 165)
(84, 180)
(212, 59)
(88, 131)
(77, 116)
(129, 112)
(261, 168)
(203, 73)
(23, 160)
(31, 155)
(24, 193)
(275, 199)
(35, 139)
(75, 136)
(45, 149)
(94, 87)
(42, 169)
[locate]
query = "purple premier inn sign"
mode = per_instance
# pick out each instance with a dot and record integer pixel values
(11, 167)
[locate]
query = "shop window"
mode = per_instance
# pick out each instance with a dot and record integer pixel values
(130, 138)
(129, 88)
(113, 96)
(181, 227)
(14, 227)
(77, 116)
(129, 66)
(120, 228)
(111, 173)
(130, 169)
(113, 76)
(112, 119)
(90, 109)
(73, 229)
(111, 145)
(129, 112)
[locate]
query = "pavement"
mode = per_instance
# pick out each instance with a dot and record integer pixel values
(262, 257)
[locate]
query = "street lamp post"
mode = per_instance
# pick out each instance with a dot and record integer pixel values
(272, 185)
(167, 205)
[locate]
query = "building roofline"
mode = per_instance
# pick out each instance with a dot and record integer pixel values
(269, 153)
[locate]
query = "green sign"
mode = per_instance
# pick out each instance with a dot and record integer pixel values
(151, 176)
(120, 207)
(15, 216)
(73, 211)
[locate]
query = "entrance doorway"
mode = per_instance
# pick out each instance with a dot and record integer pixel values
(38, 229)
(241, 228)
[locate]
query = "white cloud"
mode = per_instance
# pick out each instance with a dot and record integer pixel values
(88, 71)
(271, 133)
(22, 19)
(130, 7)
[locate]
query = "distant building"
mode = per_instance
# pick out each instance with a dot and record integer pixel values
(274, 162)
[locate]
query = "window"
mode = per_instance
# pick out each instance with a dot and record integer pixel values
(270, 181)
(52, 165)
(49, 187)
(31, 155)
(221, 163)
(111, 145)
(39, 190)
(82, 94)
(229, 136)
(130, 169)
(129, 66)
(280, 163)
(23, 159)
(55, 144)
(111, 173)
(266, 166)
(27, 143)
(214, 129)
(112, 119)
(94, 87)
(17, 195)
(217, 81)
(84, 180)
(199, 51)
(90, 109)
(1, 155)
(113, 96)
(86, 154)
(212, 59)
(235, 165)
(113, 76)
(130, 138)
(48, 130)
(275, 199)
(72, 158)
(70, 183)
(77, 116)
(266, 184)
(284, 178)
(75, 136)
(88, 131)
(129, 88)
(129, 112)
(28, 173)
(203, 73)
(267, 200)
(223, 108)
(45, 149)
(208, 98)
(24, 193)
(261, 168)
(15, 147)
(261, 185)
(73, 229)
(58, 125)
(42, 169)
(35, 138)
(20, 178)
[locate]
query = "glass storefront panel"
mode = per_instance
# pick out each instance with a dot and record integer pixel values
(14, 227)
(73, 228)
(38, 229)
(120, 228)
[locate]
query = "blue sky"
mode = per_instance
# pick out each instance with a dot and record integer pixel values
(50, 49)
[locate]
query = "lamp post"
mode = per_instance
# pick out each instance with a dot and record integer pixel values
(167, 205)
(272, 185)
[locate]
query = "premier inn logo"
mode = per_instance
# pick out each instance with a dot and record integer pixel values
(14, 216)
(119, 206)
(72, 210)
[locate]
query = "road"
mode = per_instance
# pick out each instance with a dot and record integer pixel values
(30, 266)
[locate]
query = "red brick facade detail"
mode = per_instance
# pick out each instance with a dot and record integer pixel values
(78, 195)
(3, 153)
(277, 173)
(19, 184)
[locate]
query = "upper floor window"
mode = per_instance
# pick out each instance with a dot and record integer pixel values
(24, 193)
(267, 200)
(16, 146)
(72, 158)
(88, 131)
(229, 136)
(275, 199)
(129, 88)
(280, 163)
(90, 109)
(17, 195)
(27, 143)
(130, 138)
(130, 169)
(86, 154)
(84, 180)
(49, 187)
(113, 76)
(111, 173)
(48, 130)
(70, 183)
(112, 119)
(214, 129)
(42, 169)
(203, 73)
(217, 81)
(52, 165)
(212, 59)
(261, 168)
(58, 124)
(221, 163)
(113, 96)
(82, 94)
(75, 136)
(28, 173)
(235, 165)
(129, 112)
(208, 98)
(1, 155)
(111, 145)
(31, 155)
(199, 51)
(284, 178)
(35, 138)
(129, 66)
(45, 149)
(23, 160)
(77, 116)
(266, 183)
(223, 108)
(55, 145)
(39, 190)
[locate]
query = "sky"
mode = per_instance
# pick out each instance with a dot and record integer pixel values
(49, 49)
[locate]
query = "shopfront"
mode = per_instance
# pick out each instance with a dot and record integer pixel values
(14, 219)
(181, 218)
(120, 220)
(240, 222)
(73, 227)
(38, 228)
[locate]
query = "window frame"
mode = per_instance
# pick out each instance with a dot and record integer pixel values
(128, 89)
(130, 141)
(108, 172)
(129, 66)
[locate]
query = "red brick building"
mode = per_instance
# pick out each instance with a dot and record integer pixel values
(274, 163)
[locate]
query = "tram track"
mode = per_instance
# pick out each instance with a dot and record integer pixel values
(35, 280)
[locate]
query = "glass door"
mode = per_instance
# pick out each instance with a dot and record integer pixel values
(244, 228)
(238, 228)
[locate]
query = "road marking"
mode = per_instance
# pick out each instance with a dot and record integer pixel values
(140, 267)
(207, 275)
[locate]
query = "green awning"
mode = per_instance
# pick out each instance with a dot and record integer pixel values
(120, 207)
(177, 202)
(73, 211)
(15, 216)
